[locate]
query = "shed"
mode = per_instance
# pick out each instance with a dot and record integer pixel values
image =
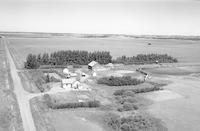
(95, 66)
(92, 64)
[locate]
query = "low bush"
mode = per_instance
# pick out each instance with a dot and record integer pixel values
(119, 81)
(134, 90)
(52, 103)
(131, 123)
(128, 107)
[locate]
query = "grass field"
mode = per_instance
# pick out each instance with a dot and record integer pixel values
(183, 50)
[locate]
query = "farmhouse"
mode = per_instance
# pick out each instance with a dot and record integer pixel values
(95, 66)
(70, 84)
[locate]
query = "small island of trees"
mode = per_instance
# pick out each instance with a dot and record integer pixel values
(146, 59)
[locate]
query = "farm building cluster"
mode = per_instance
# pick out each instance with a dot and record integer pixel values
(76, 79)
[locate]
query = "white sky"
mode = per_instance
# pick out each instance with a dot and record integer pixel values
(154, 17)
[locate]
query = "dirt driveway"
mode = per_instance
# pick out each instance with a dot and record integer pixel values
(179, 105)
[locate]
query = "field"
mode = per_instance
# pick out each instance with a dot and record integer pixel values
(176, 107)
(183, 50)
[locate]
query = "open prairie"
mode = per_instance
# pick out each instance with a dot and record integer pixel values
(183, 50)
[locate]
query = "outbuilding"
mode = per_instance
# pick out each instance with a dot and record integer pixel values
(95, 66)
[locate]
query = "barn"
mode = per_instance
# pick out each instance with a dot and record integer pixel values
(95, 66)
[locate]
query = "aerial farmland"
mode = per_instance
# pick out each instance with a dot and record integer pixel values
(107, 83)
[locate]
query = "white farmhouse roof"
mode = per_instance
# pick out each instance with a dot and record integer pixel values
(93, 63)
(68, 81)
(65, 71)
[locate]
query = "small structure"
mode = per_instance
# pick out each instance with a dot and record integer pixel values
(95, 66)
(92, 64)
(66, 73)
(149, 43)
(94, 74)
(70, 84)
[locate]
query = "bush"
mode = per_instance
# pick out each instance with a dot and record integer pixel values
(52, 103)
(119, 81)
(129, 92)
(131, 123)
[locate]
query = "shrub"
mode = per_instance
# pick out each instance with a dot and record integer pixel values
(131, 123)
(52, 103)
(130, 92)
(119, 81)
(119, 92)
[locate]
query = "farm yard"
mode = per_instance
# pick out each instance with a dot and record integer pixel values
(153, 97)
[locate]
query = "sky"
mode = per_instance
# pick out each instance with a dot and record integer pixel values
(138, 17)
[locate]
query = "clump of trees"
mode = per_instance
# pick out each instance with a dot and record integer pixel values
(119, 81)
(137, 122)
(52, 103)
(146, 59)
(67, 57)
(31, 62)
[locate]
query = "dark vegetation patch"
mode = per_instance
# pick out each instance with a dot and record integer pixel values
(68, 57)
(143, 89)
(52, 103)
(146, 59)
(135, 122)
(119, 81)
(127, 101)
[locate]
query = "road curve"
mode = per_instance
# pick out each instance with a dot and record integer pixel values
(21, 94)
